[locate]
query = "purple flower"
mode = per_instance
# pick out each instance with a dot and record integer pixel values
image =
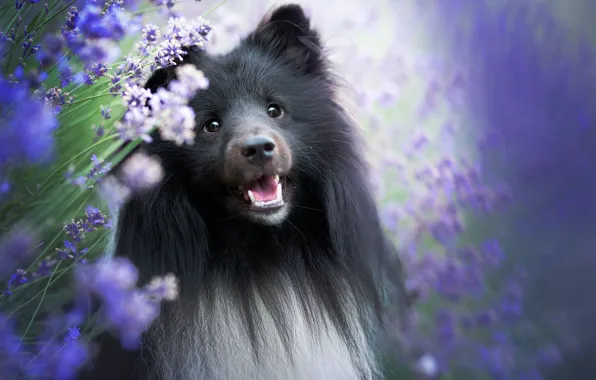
(512, 302)
(168, 3)
(162, 99)
(169, 53)
(189, 81)
(14, 248)
(151, 34)
(71, 20)
(78, 230)
(141, 171)
(20, 277)
(105, 278)
(177, 124)
(66, 74)
(136, 123)
(73, 334)
(132, 314)
(44, 267)
(135, 96)
(51, 51)
(105, 112)
(492, 252)
(58, 360)
(99, 69)
(28, 129)
(128, 311)
(98, 170)
(94, 218)
(446, 327)
(114, 192)
(91, 52)
(57, 98)
(9, 341)
(99, 131)
(133, 69)
(95, 25)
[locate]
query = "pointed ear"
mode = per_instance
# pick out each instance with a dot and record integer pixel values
(286, 33)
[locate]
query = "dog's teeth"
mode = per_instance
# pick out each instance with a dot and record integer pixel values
(276, 179)
(278, 196)
(251, 196)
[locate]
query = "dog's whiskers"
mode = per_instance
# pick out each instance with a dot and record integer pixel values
(297, 229)
(308, 208)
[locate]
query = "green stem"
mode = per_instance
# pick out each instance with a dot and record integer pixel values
(215, 8)
(41, 26)
(45, 290)
(94, 97)
(67, 163)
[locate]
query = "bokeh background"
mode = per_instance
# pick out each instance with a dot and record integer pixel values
(480, 121)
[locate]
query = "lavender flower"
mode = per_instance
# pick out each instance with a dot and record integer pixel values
(98, 170)
(128, 310)
(15, 247)
(141, 172)
(99, 69)
(57, 98)
(58, 360)
(165, 287)
(95, 25)
(189, 81)
(10, 352)
(27, 135)
(168, 3)
(162, 99)
(136, 123)
(151, 34)
(177, 125)
(135, 96)
(114, 192)
(105, 112)
(77, 231)
(169, 53)
(20, 277)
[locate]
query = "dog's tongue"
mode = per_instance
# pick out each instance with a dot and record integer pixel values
(264, 189)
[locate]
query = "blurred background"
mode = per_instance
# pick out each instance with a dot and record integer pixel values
(480, 123)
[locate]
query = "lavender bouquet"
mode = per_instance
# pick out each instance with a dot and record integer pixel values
(73, 105)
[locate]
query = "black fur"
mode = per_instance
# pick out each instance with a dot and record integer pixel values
(332, 235)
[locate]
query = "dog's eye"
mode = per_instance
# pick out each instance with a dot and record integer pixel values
(273, 110)
(211, 126)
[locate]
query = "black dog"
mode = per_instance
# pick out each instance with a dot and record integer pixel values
(268, 222)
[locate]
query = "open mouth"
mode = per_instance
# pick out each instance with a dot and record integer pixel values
(264, 193)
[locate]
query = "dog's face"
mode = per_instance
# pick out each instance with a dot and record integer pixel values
(261, 123)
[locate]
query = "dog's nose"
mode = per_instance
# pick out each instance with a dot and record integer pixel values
(258, 149)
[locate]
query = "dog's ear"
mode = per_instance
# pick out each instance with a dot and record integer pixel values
(286, 32)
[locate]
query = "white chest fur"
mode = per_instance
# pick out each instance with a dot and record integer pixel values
(218, 340)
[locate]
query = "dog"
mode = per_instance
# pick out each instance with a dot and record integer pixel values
(267, 220)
